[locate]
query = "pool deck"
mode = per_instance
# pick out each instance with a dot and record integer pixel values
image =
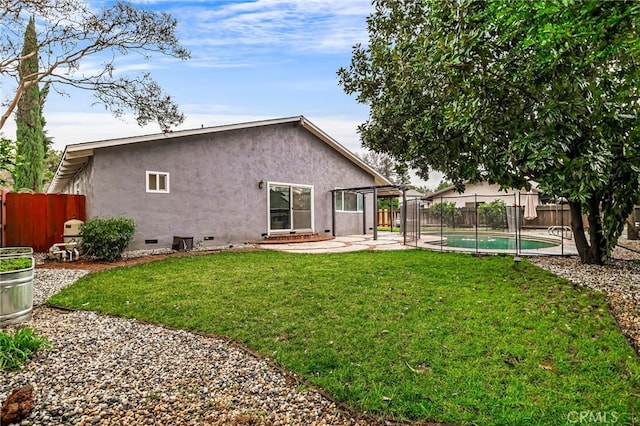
(564, 247)
(394, 241)
(343, 244)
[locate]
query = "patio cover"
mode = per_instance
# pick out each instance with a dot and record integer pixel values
(378, 191)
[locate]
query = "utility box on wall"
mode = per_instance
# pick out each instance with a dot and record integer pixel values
(182, 243)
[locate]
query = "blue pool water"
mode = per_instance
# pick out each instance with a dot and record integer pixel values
(495, 242)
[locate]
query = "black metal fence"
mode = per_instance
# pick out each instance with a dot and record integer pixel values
(509, 223)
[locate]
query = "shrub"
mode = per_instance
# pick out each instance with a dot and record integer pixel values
(15, 349)
(445, 211)
(494, 214)
(107, 238)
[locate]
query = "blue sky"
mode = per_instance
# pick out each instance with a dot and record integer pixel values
(250, 60)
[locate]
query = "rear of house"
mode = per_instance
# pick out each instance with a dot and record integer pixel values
(222, 185)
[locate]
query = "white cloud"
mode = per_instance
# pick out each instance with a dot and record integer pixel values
(303, 26)
(230, 34)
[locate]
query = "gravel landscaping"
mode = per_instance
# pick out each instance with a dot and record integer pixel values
(115, 371)
(121, 372)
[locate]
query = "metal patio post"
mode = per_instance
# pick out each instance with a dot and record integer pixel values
(475, 203)
(375, 214)
(364, 211)
(333, 213)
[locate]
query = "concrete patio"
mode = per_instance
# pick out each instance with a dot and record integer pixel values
(394, 241)
(343, 244)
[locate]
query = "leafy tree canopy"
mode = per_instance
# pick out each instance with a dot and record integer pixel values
(443, 184)
(7, 160)
(386, 166)
(69, 32)
(51, 161)
(510, 92)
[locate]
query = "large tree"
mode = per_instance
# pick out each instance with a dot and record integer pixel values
(51, 160)
(70, 32)
(387, 167)
(511, 92)
(28, 171)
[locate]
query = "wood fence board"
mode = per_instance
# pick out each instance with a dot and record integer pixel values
(37, 220)
(3, 214)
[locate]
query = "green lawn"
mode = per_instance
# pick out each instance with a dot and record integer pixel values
(409, 334)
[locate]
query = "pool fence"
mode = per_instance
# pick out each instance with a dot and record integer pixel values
(519, 217)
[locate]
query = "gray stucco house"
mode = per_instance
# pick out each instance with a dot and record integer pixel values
(224, 184)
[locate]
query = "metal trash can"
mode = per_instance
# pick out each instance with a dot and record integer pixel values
(16, 284)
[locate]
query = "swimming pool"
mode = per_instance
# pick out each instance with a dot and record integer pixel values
(493, 242)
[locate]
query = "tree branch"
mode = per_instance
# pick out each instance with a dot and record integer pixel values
(72, 33)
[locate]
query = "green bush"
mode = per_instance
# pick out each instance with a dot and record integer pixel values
(445, 211)
(107, 238)
(494, 214)
(15, 349)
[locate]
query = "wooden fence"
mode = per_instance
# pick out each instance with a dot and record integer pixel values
(389, 217)
(37, 220)
(551, 215)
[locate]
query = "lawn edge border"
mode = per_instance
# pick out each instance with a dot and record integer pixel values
(290, 377)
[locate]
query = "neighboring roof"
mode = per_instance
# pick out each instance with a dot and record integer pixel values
(75, 156)
(453, 188)
(412, 193)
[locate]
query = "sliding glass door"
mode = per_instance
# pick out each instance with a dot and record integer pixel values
(280, 207)
(290, 207)
(301, 207)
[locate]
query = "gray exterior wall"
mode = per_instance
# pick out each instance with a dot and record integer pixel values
(82, 183)
(213, 181)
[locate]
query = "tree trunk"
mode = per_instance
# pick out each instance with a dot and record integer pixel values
(589, 253)
(598, 243)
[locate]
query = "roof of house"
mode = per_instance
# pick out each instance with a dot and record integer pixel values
(75, 156)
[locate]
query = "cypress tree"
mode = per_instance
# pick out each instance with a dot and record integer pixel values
(28, 172)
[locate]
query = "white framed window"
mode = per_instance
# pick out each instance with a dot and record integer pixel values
(347, 201)
(157, 182)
